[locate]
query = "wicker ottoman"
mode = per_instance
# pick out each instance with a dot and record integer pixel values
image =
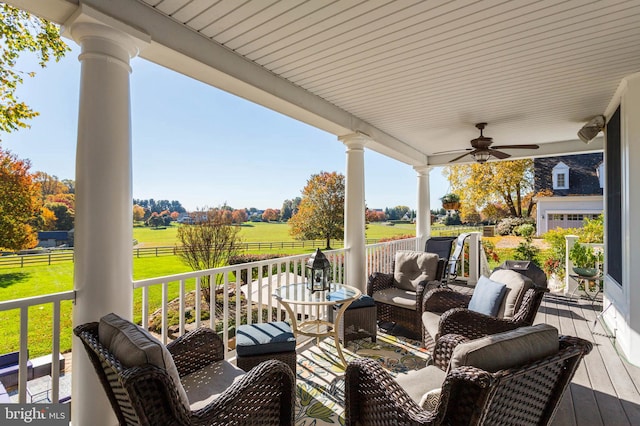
(260, 342)
(358, 321)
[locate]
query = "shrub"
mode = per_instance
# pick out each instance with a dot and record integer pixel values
(506, 225)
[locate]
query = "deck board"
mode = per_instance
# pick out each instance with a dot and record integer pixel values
(606, 387)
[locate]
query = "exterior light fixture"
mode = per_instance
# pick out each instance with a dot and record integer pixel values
(591, 129)
(317, 271)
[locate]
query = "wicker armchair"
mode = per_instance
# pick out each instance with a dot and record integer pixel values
(444, 311)
(147, 395)
(526, 394)
(401, 304)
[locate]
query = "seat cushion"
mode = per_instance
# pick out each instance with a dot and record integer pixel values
(517, 285)
(418, 382)
(487, 296)
(413, 267)
(431, 322)
(265, 338)
(507, 350)
(363, 301)
(396, 296)
(134, 346)
(205, 385)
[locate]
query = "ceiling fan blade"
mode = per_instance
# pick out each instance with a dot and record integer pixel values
(531, 146)
(463, 155)
(452, 151)
(499, 154)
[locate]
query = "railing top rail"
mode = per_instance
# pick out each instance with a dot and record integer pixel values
(37, 300)
(224, 269)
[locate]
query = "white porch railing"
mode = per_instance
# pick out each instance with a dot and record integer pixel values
(256, 280)
(24, 305)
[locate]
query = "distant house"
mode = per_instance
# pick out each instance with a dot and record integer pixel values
(576, 183)
(53, 238)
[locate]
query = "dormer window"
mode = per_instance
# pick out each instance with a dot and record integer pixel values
(600, 174)
(561, 176)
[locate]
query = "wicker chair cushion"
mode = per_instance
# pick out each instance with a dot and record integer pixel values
(205, 385)
(507, 350)
(396, 296)
(363, 301)
(418, 382)
(487, 296)
(431, 322)
(134, 346)
(413, 267)
(430, 400)
(517, 285)
(265, 338)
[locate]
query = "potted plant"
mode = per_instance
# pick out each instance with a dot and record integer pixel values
(585, 259)
(450, 201)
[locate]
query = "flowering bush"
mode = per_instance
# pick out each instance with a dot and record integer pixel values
(507, 225)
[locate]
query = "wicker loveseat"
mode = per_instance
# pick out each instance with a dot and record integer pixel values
(445, 311)
(524, 388)
(188, 382)
(398, 295)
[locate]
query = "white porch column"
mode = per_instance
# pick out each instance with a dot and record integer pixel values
(423, 212)
(354, 221)
(103, 224)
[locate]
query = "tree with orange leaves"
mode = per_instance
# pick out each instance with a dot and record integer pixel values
(19, 203)
(321, 211)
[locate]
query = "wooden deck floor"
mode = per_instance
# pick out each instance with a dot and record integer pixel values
(606, 388)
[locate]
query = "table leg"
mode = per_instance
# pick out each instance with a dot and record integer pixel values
(336, 336)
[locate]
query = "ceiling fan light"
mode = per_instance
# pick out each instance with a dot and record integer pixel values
(481, 157)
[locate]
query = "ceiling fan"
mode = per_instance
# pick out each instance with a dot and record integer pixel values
(481, 149)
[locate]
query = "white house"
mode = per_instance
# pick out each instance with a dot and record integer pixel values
(575, 185)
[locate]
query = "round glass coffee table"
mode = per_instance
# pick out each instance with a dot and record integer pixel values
(298, 294)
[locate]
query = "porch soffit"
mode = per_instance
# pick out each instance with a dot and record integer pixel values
(413, 75)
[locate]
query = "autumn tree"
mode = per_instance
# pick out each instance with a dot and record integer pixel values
(50, 185)
(208, 243)
(138, 213)
(239, 216)
(19, 203)
(321, 210)
(64, 215)
(270, 215)
(21, 32)
(507, 182)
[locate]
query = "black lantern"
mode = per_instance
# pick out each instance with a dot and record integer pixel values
(317, 271)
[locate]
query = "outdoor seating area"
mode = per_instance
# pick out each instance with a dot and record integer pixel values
(387, 378)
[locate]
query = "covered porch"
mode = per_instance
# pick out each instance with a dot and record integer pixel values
(406, 79)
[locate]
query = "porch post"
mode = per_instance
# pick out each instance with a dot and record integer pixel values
(354, 222)
(423, 213)
(103, 224)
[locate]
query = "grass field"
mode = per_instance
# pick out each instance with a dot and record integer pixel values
(260, 231)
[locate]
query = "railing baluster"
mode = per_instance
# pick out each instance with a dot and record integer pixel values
(55, 354)
(165, 301)
(198, 304)
(145, 308)
(182, 297)
(225, 314)
(23, 357)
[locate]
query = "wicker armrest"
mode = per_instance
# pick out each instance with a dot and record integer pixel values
(196, 349)
(473, 325)
(379, 281)
(373, 397)
(266, 392)
(443, 299)
(444, 349)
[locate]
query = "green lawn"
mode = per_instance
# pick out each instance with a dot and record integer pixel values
(261, 231)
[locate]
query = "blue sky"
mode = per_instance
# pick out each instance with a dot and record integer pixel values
(199, 145)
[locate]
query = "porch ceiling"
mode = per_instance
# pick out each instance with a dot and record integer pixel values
(414, 75)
